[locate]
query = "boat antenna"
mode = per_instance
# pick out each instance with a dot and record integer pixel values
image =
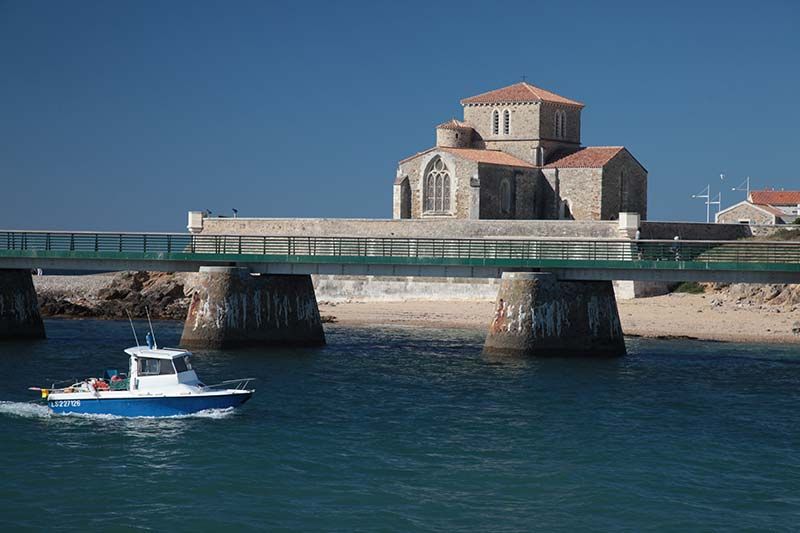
(155, 344)
(130, 319)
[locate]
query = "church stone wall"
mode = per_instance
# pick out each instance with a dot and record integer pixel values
(630, 195)
(461, 170)
(581, 188)
(524, 121)
(548, 123)
(523, 184)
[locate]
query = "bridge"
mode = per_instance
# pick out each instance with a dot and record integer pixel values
(555, 296)
(744, 261)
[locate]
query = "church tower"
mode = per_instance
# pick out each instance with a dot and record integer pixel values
(530, 123)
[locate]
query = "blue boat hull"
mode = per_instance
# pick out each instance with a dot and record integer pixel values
(164, 406)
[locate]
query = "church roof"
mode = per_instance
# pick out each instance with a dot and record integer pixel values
(454, 124)
(775, 197)
(589, 157)
(489, 157)
(519, 92)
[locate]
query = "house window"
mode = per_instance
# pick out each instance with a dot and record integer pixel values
(437, 187)
(505, 197)
(495, 122)
(506, 122)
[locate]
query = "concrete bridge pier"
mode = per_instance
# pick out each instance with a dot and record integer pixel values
(538, 315)
(19, 307)
(232, 308)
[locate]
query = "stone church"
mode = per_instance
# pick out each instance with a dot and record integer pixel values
(517, 155)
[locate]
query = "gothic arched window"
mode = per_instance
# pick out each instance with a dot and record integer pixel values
(563, 124)
(495, 122)
(506, 122)
(437, 187)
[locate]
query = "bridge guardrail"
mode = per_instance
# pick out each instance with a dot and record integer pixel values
(486, 249)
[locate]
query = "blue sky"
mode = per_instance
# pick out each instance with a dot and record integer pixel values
(124, 115)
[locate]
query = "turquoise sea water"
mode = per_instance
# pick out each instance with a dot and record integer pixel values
(401, 429)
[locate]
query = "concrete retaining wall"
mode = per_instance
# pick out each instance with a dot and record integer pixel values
(388, 289)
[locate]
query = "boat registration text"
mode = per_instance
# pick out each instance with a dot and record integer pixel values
(65, 403)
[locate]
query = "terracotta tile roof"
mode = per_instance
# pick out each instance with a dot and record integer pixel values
(775, 197)
(519, 92)
(489, 157)
(589, 157)
(454, 124)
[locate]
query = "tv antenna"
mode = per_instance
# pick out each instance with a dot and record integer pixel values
(744, 186)
(706, 194)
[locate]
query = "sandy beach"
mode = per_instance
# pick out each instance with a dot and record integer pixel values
(673, 315)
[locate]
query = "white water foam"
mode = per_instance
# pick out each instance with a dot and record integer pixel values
(25, 409)
(35, 410)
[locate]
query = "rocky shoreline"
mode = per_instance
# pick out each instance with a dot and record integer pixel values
(112, 296)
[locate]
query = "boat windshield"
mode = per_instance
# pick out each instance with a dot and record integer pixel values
(182, 364)
(155, 367)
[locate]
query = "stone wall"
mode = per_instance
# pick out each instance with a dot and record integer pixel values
(694, 231)
(413, 228)
(523, 183)
(461, 170)
(581, 188)
(745, 211)
(548, 127)
(624, 187)
(524, 123)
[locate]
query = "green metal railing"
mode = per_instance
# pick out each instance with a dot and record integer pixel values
(501, 252)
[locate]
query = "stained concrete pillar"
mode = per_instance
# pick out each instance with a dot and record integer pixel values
(536, 314)
(19, 307)
(232, 308)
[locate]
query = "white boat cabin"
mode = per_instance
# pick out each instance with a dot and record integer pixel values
(156, 369)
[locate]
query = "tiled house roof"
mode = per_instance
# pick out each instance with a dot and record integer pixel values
(454, 124)
(490, 157)
(590, 157)
(775, 197)
(519, 92)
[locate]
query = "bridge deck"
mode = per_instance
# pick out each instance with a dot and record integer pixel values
(753, 261)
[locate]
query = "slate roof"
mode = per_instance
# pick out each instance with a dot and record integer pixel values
(519, 92)
(775, 197)
(589, 157)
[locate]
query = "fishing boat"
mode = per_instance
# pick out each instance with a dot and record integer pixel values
(159, 382)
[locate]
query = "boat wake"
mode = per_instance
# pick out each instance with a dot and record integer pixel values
(25, 410)
(35, 410)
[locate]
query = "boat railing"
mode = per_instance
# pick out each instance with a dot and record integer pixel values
(241, 384)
